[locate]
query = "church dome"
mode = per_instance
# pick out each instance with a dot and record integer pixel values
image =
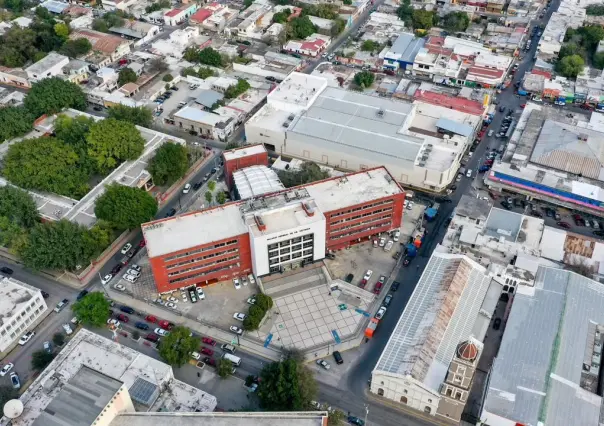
(467, 351)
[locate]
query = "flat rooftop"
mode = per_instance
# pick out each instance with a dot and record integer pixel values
(245, 151)
(298, 90)
(14, 296)
(287, 217)
(307, 418)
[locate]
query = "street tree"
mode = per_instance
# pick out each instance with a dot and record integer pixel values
(212, 185)
(307, 173)
(14, 121)
(40, 360)
(370, 46)
(336, 418)
(224, 368)
(286, 386)
(7, 393)
(126, 75)
(364, 79)
(45, 164)
(52, 95)
(75, 48)
(175, 348)
(221, 197)
(112, 141)
(18, 206)
(62, 245)
(169, 164)
(140, 116)
(570, 66)
(125, 207)
(456, 21)
(92, 309)
(209, 197)
(58, 339)
(167, 77)
(254, 317)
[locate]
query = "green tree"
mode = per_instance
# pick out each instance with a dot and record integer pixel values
(300, 27)
(598, 60)
(208, 195)
(17, 47)
(62, 245)
(264, 302)
(254, 318)
(169, 164)
(125, 207)
(281, 17)
(224, 368)
(370, 46)
(162, 4)
(595, 10)
(591, 35)
(338, 27)
(308, 172)
(126, 75)
(112, 141)
(58, 339)
(141, 116)
(45, 164)
(202, 72)
(364, 79)
(247, 3)
(570, 66)
(18, 206)
(423, 19)
(336, 418)
(286, 386)
(52, 95)
(75, 48)
(62, 30)
(92, 309)
(209, 56)
(7, 393)
(405, 12)
(212, 185)
(570, 49)
(221, 197)
(175, 349)
(237, 89)
(157, 65)
(40, 360)
(456, 21)
(167, 77)
(14, 121)
(322, 10)
(12, 236)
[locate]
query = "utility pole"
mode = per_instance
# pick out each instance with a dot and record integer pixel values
(366, 413)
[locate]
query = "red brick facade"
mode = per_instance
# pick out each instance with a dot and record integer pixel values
(231, 166)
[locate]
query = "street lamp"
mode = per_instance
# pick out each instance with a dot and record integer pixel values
(366, 413)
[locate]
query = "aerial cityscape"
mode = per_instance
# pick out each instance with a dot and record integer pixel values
(301, 212)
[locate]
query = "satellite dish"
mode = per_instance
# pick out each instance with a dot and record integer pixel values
(13, 408)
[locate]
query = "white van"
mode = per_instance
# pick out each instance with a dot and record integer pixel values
(234, 359)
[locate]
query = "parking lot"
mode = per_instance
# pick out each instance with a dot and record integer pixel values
(171, 105)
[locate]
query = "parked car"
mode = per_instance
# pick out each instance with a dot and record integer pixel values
(151, 319)
(127, 309)
(166, 325)
(106, 279)
(141, 326)
(208, 341)
(207, 351)
(563, 225)
(366, 277)
(6, 271)
(161, 332)
(81, 294)
(67, 329)
(200, 294)
(126, 248)
(47, 346)
(380, 313)
(61, 305)
(7, 367)
(171, 212)
(26, 337)
(497, 323)
(186, 189)
(239, 316)
(236, 283)
(355, 421)
(388, 299)
(152, 337)
(129, 278)
(236, 330)
(15, 380)
(323, 363)
(195, 355)
(251, 300)
(119, 287)
(210, 361)
(395, 285)
(338, 357)
(123, 318)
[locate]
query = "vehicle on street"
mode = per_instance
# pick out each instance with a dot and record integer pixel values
(497, 323)
(366, 277)
(355, 421)
(338, 357)
(6, 271)
(127, 309)
(251, 300)
(117, 268)
(123, 318)
(387, 300)
(228, 348)
(161, 332)
(323, 363)
(47, 346)
(106, 279)
(7, 367)
(236, 283)
(171, 212)
(208, 341)
(207, 351)
(61, 305)
(236, 330)
(152, 337)
(151, 319)
(563, 225)
(166, 325)
(380, 313)
(469, 173)
(81, 294)
(239, 316)
(141, 325)
(119, 287)
(186, 189)
(195, 355)
(26, 337)
(67, 329)
(15, 380)
(126, 248)
(395, 285)
(491, 132)
(210, 361)
(197, 185)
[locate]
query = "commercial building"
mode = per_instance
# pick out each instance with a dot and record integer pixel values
(49, 66)
(20, 306)
(420, 144)
(305, 418)
(274, 232)
(403, 51)
(548, 367)
(429, 361)
(240, 158)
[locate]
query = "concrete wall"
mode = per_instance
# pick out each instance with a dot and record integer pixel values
(401, 389)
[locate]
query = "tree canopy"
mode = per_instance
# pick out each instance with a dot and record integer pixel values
(169, 164)
(112, 141)
(18, 206)
(370, 46)
(286, 386)
(322, 10)
(175, 349)
(108, 20)
(126, 75)
(224, 368)
(405, 12)
(14, 121)
(52, 95)
(58, 339)
(570, 66)
(300, 28)
(7, 393)
(202, 72)
(598, 60)
(207, 56)
(63, 245)
(40, 360)
(92, 309)
(141, 116)
(237, 89)
(307, 173)
(125, 207)
(569, 49)
(364, 79)
(595, 10)
(45, 164)
(423, 19)
(281, 17)
(456, 21)
(75, 48)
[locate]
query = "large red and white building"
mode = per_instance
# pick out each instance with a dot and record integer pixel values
(272, 232)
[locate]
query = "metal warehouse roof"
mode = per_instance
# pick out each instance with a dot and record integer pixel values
(256, 180)
(454, 127)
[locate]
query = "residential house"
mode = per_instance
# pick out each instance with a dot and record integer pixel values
(76, 71)
(106, 48)
(324, 26)
(250, 22)
(140, 32)
(14, 77)
(206, 124)
(49, 66)
(123, 5)
(178, 15)
(312, 46)
(221, 17)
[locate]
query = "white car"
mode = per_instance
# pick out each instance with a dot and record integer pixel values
(382, 242)
(380, 313)
(239, 316)
(323, 363)
(130, 278)
(244, 280)
(119, 287)
(196, 356)
(183, 296)
(172, 299)
(236, 283)
(200, 293)
(186, 189)
(368, 275)
(75, 321)
(251, 300)
(252, 279)
(410, 205)
(113, 322)
(133, 273)
(397, 235)
(126, 248)
(469, 173)
(389, 245)
(26, 337)
(161, 332)
(236, 330)
(171, 305)
(67, 329)
(7, 367)
(106, 279)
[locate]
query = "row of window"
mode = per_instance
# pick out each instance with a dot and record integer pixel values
(286, 243)
(359, 231)
(202, 274)
(288, 250)
(32, 304)
(294, 256)
(365, 222)
(204, 265)
(23, 326)
(349, 219)
(363, 207)
(201, 250)
(202, 258)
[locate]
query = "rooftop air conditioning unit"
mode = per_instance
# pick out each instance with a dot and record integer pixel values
(286, 124)
(291, 117)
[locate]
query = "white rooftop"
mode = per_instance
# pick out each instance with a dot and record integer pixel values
(306, 418)
(244, 152)
(254, 181)
(14, 295)
(297, 92)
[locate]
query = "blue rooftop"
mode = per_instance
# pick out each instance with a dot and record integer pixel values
(454, 127)
(407, 45)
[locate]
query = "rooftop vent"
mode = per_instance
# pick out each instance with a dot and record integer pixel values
(291, 117)
(310, 211)
(285, 124)
(260, 223)
(380, 112)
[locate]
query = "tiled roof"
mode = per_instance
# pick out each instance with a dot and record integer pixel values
(101, 42)
(459, 104)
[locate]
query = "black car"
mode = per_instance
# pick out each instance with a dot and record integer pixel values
(444, 200)
(197, 185)
(270, 78)
(338, 357)
(171, 212)
(6, 271)
(116, 268)
(355, 421)
(501, 108)
(127, 309)
(395, 286)
(97, 108)
(517, 202)
(349, 278)
(45, 295)
(599, 233)
(506, 205)
(497, 323)
(82, 294)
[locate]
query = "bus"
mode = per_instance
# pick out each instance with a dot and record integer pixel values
(234, 359)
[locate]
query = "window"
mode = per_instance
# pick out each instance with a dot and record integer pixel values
(458, 395)
(430, 401)
(427, 409)
(381, 392)
(449, 392)
(461, 369)
(404, 399)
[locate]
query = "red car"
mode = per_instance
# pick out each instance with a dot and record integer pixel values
(151, 319)
(522, 106)
(378, 287)
(208, 341)
(166, 325)
(207, 351)
(123, 318)
(143, 243)
(563, 225)
(210, 361)
(152, 337)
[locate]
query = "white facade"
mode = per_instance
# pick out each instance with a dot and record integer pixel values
(176, 16)
(20, 306)
(49, 66)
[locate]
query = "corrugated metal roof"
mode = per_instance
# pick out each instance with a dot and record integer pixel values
(454, 127)
(207, 98)
(254, 181)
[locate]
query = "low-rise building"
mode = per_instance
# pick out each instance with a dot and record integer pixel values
(312, 46)
(49, 66)
(324, 26)
(21, 305)
(180, 14)
(76, 71)
(272, 64)
(106, 48)
(139, 32)
(250, 23)
(123, 5)
(205, 123)
(14, 77)
(221, 17)
(403, 52)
